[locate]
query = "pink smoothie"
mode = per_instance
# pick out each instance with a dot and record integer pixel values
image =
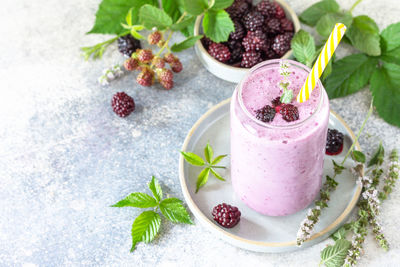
(276, 167)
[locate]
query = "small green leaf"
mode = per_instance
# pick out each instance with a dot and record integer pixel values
(217, 175)
(340, 234)
(385, 87)
(208, 153)
(174, 211)
(392, 56)
(151, 16)
(172, 8)
(311, 15)
(378, 156)
(337, 168)
(195, 7)
(287, 96)
(303, 46)
(221, 4)
(218, 159)
(364, 35)
(217, 25)
(183, 24)
(333, 256)
(135, 34)
(390, 37)
(358, 156)
(128, 17)
(137, 200)
(189, 42)
(156, 189)
(327, 22)
(145, 227)
(193, 158)
(202, 178)
(349, 75)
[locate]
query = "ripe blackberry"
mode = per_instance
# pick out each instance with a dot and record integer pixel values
(176, 65)
(250, 58)
(146, 77)
(236, 53)
(158, 62)
(289, 112)
(220, 52)
(206, 42)
(131, 64)
(238, 9)
(281, 43)
(276, 101)
(253, 20)
(239, 32)
(279, 12)
(226, 215)
(273, 26)
(287, 25)
(270, 54)
(265, 114)
(266, 8)
(255, 41)
(169, 57)
(154, 37)
(127, 45)
(334, 142)
(122, 104)
(144, 55)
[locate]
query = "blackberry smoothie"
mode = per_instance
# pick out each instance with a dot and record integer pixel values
(277, 166)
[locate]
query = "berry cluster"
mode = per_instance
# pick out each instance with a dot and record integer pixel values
(261, 32)
(267, 113)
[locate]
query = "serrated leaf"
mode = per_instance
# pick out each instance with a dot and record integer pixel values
(195, 7)
(151, 16)
(358, 156)
(189, 30)
(217, 25)
(202, 178)
(217, 175)
(392, 56)
(112, 13)
(172, 8)
(364, 35)
(218, 159)
(174, 211)
(390, 37)
(145, 227)
(385, 87)
(327, 22)
(193, 158)
(378, 156)
(333, 256)
(208, 153)
(189, 42)
(221, 4)
(339, 234)
(183, 24)
(311, 15)
(303, 47)
(156, 189)
(349, 75)
(137, 200)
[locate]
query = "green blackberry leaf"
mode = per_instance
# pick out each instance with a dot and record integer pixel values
(172, 8)
(195, 7)
(390, 37)
(364, 35)
(208, 152)
(151, 16)
(217, 25)
(137, 200)
(145, 227)
(327, 22)
(174, 211)
(378, 156)
(333, 256)
(189, 42)
(358, 156)
(349, 75)
(202, 178)
(112, 13)
(156, 189)
(311, 15)
(392, 56)
(385, 87)
(303, 46)
(183, 24)
(193, 158)
(221, 4)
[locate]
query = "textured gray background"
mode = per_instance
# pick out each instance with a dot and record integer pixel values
(65, 156)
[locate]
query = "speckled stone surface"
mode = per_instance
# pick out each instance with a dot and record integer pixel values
(65, 156)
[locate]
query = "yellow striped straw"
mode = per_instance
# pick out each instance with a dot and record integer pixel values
(323, 59)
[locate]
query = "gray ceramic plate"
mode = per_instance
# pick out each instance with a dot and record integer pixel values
(255, 231)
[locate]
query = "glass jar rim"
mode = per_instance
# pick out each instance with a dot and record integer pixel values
(277, 62)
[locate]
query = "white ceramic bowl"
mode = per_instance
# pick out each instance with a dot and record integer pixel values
(227, 72)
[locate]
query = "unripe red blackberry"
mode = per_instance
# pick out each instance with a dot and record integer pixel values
(154, 37)
(146, 77)
(144, 55)
(165, 75)
(226, 215)
(167, 84)
(158, 62)
(131, 64)
(169, 57)
(279, 12)
(176, 65)
(122, 104)
(220, 52)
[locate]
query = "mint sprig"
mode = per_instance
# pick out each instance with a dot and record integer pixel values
(209, 164)
(287, 94)
(147, 225)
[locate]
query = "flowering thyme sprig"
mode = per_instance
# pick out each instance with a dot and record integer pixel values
(110, 74)
(360, 231)
(392, 176)
(287, 94)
